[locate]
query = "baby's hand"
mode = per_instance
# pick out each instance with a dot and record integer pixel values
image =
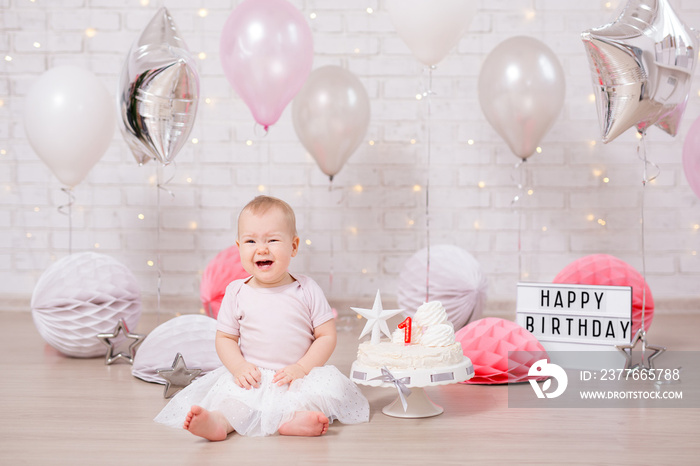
(288, 374)
(247, 375)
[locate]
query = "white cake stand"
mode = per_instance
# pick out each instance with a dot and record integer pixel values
(418, 403)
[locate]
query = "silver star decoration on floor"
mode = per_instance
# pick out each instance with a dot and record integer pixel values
(108, 339)
(641, 335)
(376, 319)
(177, 377)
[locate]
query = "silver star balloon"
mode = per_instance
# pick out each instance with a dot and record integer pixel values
(627, 351)
(110, 340)
(158, 92)
(376, 319)
(641, 66)
(177, 377)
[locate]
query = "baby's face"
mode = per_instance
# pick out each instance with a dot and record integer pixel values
(267, 244)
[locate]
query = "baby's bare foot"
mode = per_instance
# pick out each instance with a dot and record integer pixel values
(212, 425)
(306, 423)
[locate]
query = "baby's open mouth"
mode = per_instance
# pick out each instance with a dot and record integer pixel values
(264, 264)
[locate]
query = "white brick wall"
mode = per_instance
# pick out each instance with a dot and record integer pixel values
(372, 217)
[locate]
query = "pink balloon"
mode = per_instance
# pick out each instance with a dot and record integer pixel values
(222, 270)
(266, 51)
(691, 157)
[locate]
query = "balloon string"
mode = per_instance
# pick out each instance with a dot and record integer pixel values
(330, 274)
(518, 209)
(642, 155)
(427, 184)
(160, 186)
(67, 209)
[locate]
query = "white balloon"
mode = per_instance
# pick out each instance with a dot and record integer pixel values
(331, 115)
(521, 92)
(69, 119)
(431, 28)
(456, 280)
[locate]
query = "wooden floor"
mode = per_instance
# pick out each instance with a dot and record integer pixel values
(59, 410)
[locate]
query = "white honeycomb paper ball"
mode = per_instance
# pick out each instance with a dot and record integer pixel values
(192, 335)
(456, 280)
(81, 296)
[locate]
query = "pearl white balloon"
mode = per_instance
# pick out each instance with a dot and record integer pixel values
(430, 28)
(69, 119)
(81, 296)
(456, 280)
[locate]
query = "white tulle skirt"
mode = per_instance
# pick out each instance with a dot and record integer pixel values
(261, 411)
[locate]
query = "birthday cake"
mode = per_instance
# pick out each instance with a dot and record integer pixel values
(426, 341)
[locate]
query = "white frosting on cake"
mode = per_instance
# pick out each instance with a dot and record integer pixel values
(432, 313)
(438, 335)
(400, 356)
(432, 344)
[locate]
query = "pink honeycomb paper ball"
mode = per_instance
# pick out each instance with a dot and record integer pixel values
(500, 350)
(221, 270)
(606, 270)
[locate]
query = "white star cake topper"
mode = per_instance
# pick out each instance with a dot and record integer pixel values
(376, 319)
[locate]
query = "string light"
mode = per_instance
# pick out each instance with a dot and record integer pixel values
(597, 172)
(261, 188)
(188, 179)
(481, 184)
(606, 180)
(29, 235)
(539, 150)
(477, 225)
(202, 55)
(413, 141)
(530, 192)
(150, 263)
(358, 188)
(411, 222)
(470, 142)
(203, 13)
(529, 15)
(207, 100)
(308, 242)
(544, 229)
(417, 188)
(3, 152)
(91, 32)
(195, 141)
(357, 50)
(353, 230)
(193, 225)
(8, 58)
(97, 245)
(145, 2)
(696, 227)
(419, 96)
(249, 142)
(590, 217)
(591, 98)
(601, 222)
(371, 142)
(141, 216)
(592, 143)
(312, 15)
(37, 45)
(370, 10)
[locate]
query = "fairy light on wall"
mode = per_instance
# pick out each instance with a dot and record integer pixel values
(249, 142)
(145, 2)
(203, 12)
(413, 141)
(313, 15)
(419, 96)
(195, 141)
(97, 245)
(539, 150)
(481, 184)
(261, 188)
(417, 188)
(140, 216)
(371, 142)
(358, 188)
(590, 217)
(150, 263)
(37, 45)
(91, 32)
(8, 58)
(308, 242)
(470, 142)
(202, 55)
